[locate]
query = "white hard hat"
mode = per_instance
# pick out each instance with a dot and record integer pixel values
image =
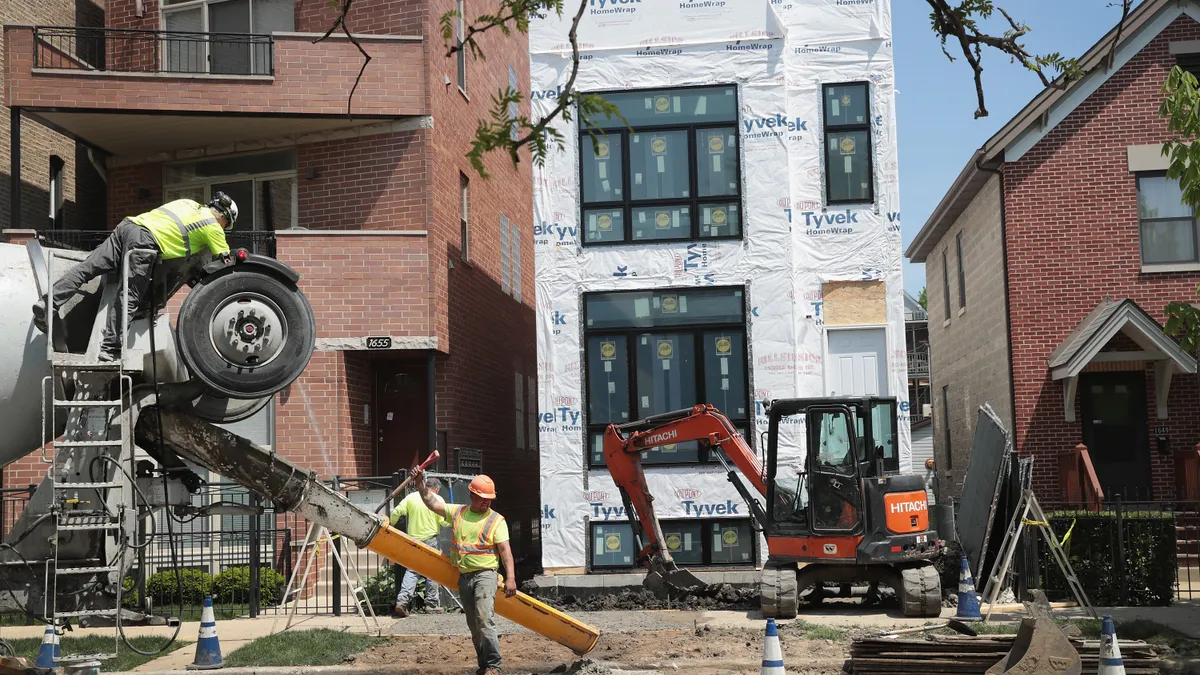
(225, 205)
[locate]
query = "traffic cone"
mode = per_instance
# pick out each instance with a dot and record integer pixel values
(968, 601)
(49, 652)
(208, 647)
(1110, 651)
(772, 661)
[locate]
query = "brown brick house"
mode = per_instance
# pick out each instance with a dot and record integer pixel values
(393, 232)
(1050, 261)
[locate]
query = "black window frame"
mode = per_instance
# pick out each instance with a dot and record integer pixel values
(464, 216)
(1195, 217)
(461, 55)
(828, 129)
(695, 202)
(705, 543)
(946, 425)
(704, 456)
(946, 281)
(962, 275)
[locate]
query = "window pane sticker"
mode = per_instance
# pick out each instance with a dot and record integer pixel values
(716, 146)
(662, 220)
(670, 304)
(612, 542)
(608, 351)
(674, 541)
(724, 345)
(665, 349)
(730, 537)
(662, 105)
(658, 145)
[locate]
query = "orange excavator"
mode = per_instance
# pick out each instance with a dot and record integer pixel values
(843, 515)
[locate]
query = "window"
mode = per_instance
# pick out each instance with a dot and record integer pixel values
(230, 53)
(514, 108)
(848, 167)
(675, 177)
(946, 425)
(531, 411)
(962, 275)
(1189, 62)
(514, 241)
(651, 352)
(505, 264)
(510, 258)
(461, 54)
(464, 238)
(946, 282)
(56, 192)
(263, 186)
(1167, 225)
(519, 397)
(690, 542)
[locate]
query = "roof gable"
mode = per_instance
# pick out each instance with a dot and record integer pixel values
(1099, 327)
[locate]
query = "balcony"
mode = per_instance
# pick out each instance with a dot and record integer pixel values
(918, 363)
(137, 92)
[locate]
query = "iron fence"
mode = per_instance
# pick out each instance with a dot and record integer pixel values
(247, 561)
(152, 51)
(1133, 552)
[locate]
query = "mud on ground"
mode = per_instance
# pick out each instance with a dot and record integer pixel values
(702, 652)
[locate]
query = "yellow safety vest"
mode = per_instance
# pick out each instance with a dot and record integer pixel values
(183, 226)
(474, 546)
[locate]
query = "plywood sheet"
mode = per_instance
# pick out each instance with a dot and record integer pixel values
(854, 303)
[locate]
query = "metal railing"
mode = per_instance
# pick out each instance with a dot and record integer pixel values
(918, 362)
(259, 241)
(152, 51)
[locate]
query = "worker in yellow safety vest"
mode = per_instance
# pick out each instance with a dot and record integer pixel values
(178, 229)
(480, 542)
(423, 525)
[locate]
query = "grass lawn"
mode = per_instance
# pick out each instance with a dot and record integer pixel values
(127, 659)
(318, 647)
(814, 631)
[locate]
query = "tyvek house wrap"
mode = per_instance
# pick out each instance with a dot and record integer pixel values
(778, 53)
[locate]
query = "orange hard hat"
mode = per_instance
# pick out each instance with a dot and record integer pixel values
(483, 486)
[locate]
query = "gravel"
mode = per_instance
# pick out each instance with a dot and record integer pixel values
(606, 622)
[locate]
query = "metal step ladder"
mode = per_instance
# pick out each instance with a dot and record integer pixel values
(92, 496)
(317, 536)
(1028, 506)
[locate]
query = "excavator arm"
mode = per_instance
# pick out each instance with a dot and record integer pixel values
(623, 445)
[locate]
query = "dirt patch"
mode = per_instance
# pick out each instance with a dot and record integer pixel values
(724, 597)
(703, 652)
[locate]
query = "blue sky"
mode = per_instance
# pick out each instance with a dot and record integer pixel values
(936, 99)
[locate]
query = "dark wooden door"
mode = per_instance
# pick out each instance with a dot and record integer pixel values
(401, 414)
(1114, 430)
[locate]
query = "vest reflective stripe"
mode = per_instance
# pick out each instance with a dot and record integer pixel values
(479, 547)
(181, 218)
(185, 231)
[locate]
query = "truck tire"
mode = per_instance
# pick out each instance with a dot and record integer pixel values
(225, 410)
(246, 334)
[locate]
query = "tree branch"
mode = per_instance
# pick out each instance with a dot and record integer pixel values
(341, 22)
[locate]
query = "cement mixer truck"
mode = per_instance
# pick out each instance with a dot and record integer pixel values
(113, 435)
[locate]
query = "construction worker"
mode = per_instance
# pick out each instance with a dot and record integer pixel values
(480, 543)
(177, 229)
(421, 524)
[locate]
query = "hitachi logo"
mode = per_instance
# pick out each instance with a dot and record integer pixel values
(662, 438)
(908, 507)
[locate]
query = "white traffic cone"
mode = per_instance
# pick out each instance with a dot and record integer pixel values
(968, 600)
(772, 660)
(1110, 651)
(49, 652)
(208, 647)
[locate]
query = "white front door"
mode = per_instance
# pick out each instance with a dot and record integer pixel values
(857, 362)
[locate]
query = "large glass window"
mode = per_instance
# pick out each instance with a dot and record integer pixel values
(652, 352)
(848, 166)
(1167, 225)
(690, 542)
(262, 185)
(227, 50)
(674, 177)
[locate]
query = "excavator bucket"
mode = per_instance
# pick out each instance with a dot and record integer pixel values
(663, 579)
(1040, 647)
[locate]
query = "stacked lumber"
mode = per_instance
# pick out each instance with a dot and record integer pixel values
(961, 655)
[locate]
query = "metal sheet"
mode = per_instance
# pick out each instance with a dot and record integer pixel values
(981, 489)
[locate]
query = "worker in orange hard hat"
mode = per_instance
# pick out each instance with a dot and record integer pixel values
(480, 543)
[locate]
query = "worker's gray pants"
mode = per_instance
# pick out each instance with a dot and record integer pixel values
(477, 590)
(408, 585)
(108, 257)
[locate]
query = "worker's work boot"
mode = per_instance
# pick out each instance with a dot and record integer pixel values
(107, 356)
(399, 611)
(39, 315)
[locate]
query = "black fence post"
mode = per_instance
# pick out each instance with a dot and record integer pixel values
(255, 556)
(336, 576)
(1122, 587)
(397, 570)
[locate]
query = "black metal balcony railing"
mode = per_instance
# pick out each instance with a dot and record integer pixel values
(261, 242)
(152, 51)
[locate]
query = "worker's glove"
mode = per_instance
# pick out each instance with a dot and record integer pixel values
(227, 257)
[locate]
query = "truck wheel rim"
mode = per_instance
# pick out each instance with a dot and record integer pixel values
(248, 330)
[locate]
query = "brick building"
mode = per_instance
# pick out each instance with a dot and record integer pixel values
(1051, 260)
(394, 234)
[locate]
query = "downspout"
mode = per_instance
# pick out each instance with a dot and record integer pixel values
(97, 165)
(1012, 391)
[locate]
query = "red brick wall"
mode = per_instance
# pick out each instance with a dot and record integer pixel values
(372, 17)
(490, 336)
(1072, 235)
(370, 183)
(314, 79)
(124, 183)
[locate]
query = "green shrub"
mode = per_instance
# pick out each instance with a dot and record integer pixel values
(129, 594)
(381, 590)
(232, 586)
(195, 585)
(1149, 562)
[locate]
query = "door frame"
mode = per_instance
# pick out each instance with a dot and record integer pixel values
(825, 354)
(1144, 435)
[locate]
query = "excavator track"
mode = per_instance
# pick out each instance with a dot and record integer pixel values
(777, 591)
(920, 591)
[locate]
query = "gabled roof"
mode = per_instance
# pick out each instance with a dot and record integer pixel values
(1042, 114)
(1109, 318)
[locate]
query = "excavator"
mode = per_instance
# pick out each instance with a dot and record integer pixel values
(845, 515)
